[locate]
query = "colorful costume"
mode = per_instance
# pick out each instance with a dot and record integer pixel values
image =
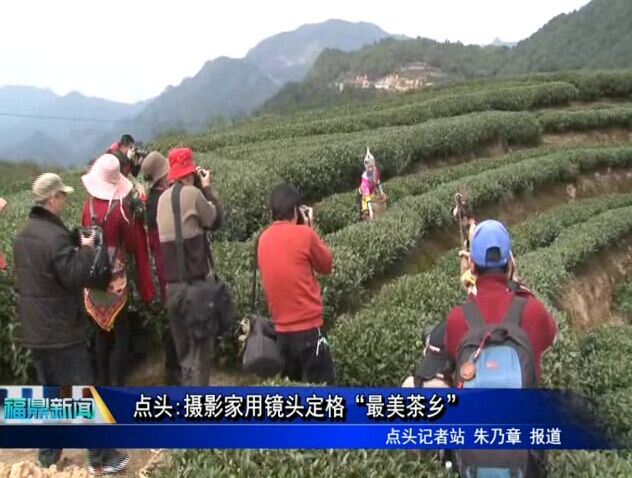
(468, 280)
(370, 184)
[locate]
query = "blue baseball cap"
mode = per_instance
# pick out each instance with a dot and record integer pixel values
(490, 245)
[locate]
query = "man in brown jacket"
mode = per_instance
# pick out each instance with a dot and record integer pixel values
(200, 212)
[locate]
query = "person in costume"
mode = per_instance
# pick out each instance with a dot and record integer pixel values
(370, 190)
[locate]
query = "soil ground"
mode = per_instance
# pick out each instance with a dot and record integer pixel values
(21, 464)
(588, 297)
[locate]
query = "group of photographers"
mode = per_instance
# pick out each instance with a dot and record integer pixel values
(55, 275)
(54, 268)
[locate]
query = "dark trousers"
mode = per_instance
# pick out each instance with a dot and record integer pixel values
(66, 366)
(172, 366)
(194, 355)
(112, 352)
(307, 356)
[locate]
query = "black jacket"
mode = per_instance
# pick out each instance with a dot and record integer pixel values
(50, 274)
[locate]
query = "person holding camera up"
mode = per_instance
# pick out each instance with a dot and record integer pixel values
(155, 169)
(185, 214)
(125, 151)
(107, 207)
(131, 159)
(290, 254)
(51, 271)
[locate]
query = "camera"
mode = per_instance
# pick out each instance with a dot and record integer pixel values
(305, 212)
(197, 180)
(77, 232)
(199, 174)
(140, 153)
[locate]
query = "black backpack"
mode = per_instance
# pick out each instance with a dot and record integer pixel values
(100, 274)
(497, 356)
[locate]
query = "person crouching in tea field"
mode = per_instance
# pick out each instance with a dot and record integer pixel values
(436, 369)
(290, 254)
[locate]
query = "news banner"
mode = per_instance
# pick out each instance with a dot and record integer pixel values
(296, 417)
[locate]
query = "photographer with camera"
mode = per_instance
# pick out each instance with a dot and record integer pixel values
(155, 169)
(128, 154)
(51, 270)
(108, 207)
(185, 214)
(289, 255)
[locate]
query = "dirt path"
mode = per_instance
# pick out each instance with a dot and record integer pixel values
(610, 136)
(513, 209)
(588, 297)
(22, 464)
(492, 150)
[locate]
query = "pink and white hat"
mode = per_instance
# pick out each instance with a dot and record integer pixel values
(105, 181)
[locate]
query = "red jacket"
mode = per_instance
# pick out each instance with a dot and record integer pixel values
(493, 299)
(289, 255)
(119, 232)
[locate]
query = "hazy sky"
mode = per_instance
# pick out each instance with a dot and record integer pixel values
(131, 50)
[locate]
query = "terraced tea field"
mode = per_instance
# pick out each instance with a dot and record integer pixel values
(550, 155)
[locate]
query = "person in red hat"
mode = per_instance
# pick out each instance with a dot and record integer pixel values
(200, 211)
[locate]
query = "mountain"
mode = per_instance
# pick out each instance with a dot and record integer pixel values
(498, 42)
(386, 57)
(597, 36)
(288, 56)
(223, 87)
(41, 148)
(37, 124)
(23, 99)
(230, 88)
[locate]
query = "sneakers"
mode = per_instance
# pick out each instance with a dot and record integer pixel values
(48, 457)
(114, 462)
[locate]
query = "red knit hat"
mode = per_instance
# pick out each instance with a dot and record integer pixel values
(180, 163)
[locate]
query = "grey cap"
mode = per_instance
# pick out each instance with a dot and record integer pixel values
(47, 185)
